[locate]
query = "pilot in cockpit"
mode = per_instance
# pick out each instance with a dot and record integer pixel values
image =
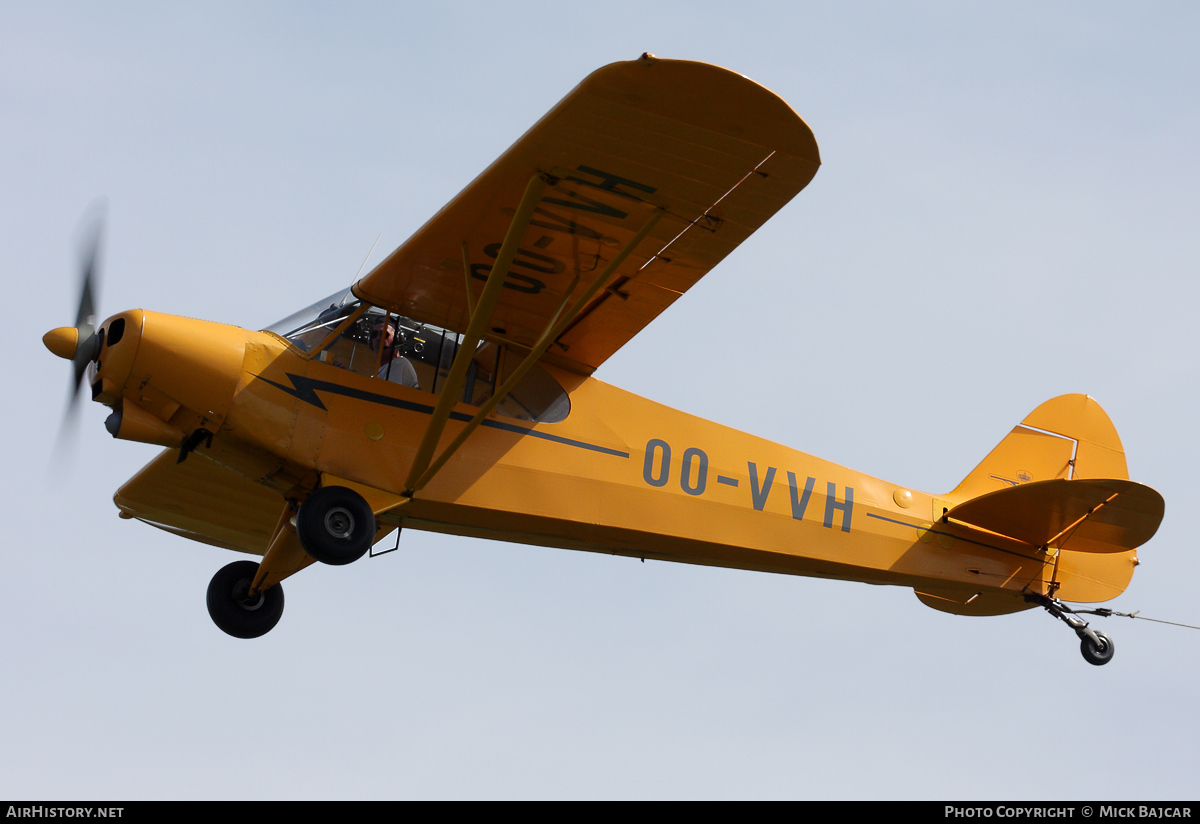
(393, 365)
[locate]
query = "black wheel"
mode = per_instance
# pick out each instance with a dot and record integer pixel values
(1097, 655)
(236, 614)
(335, 525)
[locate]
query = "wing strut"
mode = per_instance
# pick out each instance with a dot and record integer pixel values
(558, 322)
(479, 319)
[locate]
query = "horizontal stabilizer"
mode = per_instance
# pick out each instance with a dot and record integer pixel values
(1084, 515)
(972, 602)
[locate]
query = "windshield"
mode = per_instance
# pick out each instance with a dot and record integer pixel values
(311, 325)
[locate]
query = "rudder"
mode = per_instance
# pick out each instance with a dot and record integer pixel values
(1067, 437)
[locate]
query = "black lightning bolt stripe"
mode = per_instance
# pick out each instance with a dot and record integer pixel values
(306, 390)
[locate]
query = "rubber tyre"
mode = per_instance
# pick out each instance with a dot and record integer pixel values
(1098, 656)
(229, 609)
(335, 525)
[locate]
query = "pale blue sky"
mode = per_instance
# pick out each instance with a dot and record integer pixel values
(1007, 211)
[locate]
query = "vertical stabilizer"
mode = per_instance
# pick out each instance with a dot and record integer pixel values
(1066, 437)
(1069, 437)
(1099, 453)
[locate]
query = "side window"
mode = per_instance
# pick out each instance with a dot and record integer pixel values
(419, 355)
(394, 348)
(538, 397)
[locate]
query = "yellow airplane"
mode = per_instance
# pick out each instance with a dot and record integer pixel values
(450, 390)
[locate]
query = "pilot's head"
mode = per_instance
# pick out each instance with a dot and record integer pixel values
(386, 331)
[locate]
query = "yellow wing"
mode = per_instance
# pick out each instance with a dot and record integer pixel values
(202, 500)
(715, 151)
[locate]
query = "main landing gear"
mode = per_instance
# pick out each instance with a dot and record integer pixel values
(1096, 647)
(235, 612)
(335, 525)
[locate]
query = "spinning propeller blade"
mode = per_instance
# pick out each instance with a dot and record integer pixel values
(79, 343)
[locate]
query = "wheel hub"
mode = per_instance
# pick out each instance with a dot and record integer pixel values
(239, 595)
(251, 604)
(339, 522)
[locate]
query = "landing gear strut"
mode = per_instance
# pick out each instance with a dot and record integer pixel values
(1096, 647)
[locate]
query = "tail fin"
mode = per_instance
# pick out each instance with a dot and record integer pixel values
(1067, 437)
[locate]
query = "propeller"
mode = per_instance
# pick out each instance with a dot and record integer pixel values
(80, 343)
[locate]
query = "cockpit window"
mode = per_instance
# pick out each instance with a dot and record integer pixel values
(382, 345)
(313, 324)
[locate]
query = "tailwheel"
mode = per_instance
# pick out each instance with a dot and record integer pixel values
(1097, 648)
(335, 525)
(1099, 651)
(235, 613)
